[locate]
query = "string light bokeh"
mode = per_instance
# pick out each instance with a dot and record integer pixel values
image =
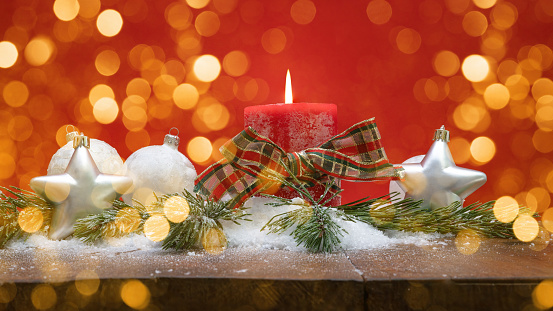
(126, 71)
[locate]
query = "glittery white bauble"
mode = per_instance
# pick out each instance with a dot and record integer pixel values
(105, 156)
(161, 169)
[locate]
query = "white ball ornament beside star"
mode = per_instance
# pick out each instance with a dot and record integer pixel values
(434, 177)
(159, 169)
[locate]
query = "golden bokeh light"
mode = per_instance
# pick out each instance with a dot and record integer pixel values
(109, 23)
(446, 63)
(541, 241)
(176, 209)
(538, 200)
(471, 115)
(20, 128)
(542, 295)
(44, 297)
(518, 87)
(496, 96)
(100, 91)
(225, 6)
(542, 87)
(543, 140)
(175, 69)
(199, 149)
(156, 228)
(214, 115)
(89, 8)
(7, 165)
(475, 23)
(105, 110)
(303, 11)
(526, 228)
(139, 87)
(274, 40)
(8, 54)
(56, 192)
(66, 10)
(467, 242)
(107, 62)
(186, 96)
(379, 11)
(457, 6)
(547, 219)
(197, 4)
(460, 150)
(8, 291)
(135, 294)
(207, 23)
(236, 63)
(207, 68)
(482, 149)
(15, 93)
(87, 282)
(503, 15)
(178, 15)
(475, 68)
(408, 40)
(544, 113)
(214, 241)
(163, 87)
(30, 219)
(505, 209)
(39, 51)
(127, 220)
(145, 196)
(135, 140)
(484, 4)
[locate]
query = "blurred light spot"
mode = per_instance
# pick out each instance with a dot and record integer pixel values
(109, 23)
(197, 4)
(475, 68)
(542, 54)
(518, 87)
(251, 11)
(39, 51)
(470, 114)
(30, 219)
(530, 69)
(526, 228)
(542, 295)
(178, 15)
(446, 63)
(163, 87)
(100, 91)
(199, 149)
(408, 41)
(541, 241)
(460, 150)
(225, 6)
(508, 68)
(303, 11)
(542, 87)
(135, 294)
(127, 220)
(185, 96)
(457, 6)
(379, 11)
(538, 200)
(521, 145)
(56, 192)
(174, 68)
(496, 96)
(475, 23)
(436, 88)
(503, 15)
(66, 10)
(544, 113)
(236, 63)
(505, 209)
(20, 128)
(215, 116)
(510, 181)
(223, 88)
(107, 62)
(156, 228)
(207, 68)
(139, 87)
(89, 8)
(543, 140)
(207, 23)
(482, 149)
(105, 110)
(87, 282)
(67, 31)
(547, 219)
(459, 88)
(484, 4)
(15, 93)
(7, 165)
(273, 40)
(176, 209)
(8, 291)
(137, 139)
(8, 54)
(467, 242)
(43, 297)
(214, 241)
(430, 11)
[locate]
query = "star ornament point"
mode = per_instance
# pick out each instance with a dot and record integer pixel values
(82, 190)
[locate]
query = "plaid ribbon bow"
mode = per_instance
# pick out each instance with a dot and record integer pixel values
(253, 163)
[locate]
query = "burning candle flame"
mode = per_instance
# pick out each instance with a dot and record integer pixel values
(288, 99)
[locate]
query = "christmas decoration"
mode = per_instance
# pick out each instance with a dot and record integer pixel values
(80, 191)
(105, 156)
(161, 168)
(436, 180)
(254, 164)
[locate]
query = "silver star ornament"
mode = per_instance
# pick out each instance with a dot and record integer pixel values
(82, 190)
(434, 177)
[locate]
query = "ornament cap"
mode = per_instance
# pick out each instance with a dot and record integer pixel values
(441, 134)
(172, 140)
(70, 135)
(81, 140)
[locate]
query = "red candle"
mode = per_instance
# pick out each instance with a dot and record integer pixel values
(294, 127)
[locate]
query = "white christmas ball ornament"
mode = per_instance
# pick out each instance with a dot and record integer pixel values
(161, 169)
(105, 156)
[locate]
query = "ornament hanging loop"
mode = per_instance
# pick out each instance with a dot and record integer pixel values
(70, 135)
(172, 140)
(81, 140)
(441, 134)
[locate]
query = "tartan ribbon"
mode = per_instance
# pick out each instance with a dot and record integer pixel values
(253, 163)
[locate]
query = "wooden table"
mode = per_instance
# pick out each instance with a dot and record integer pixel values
(501, 275)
